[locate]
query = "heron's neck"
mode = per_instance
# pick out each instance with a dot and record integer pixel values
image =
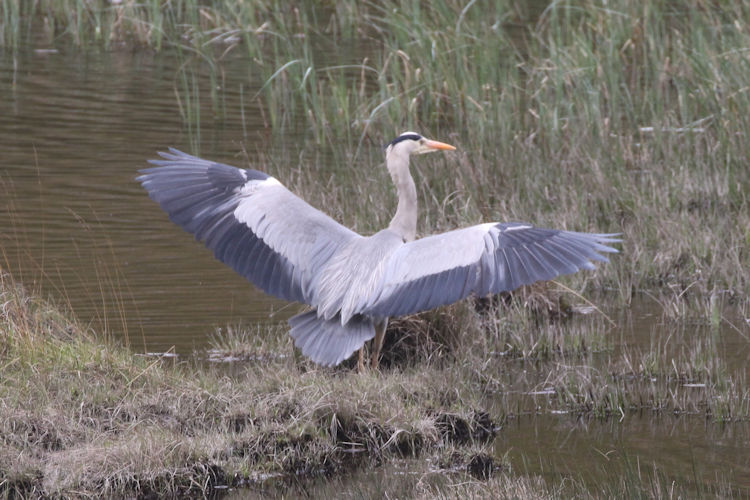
(405, 221)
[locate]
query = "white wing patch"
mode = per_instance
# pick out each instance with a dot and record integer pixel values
(515, 228)
(251, 187)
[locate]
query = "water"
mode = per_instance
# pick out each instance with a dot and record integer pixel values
(74, 130)
(689, 449)
(75, 127)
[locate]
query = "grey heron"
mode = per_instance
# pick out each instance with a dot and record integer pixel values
(355, 283)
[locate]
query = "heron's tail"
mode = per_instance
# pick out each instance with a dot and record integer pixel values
(328, 342)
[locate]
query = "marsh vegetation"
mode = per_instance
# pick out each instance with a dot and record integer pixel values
(83, 416)
(617, 117)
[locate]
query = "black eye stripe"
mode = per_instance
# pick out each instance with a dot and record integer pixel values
(405, 137)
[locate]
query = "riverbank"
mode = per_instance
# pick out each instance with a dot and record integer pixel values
(82, 416)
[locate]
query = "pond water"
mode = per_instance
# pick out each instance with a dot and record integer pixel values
(75, 127)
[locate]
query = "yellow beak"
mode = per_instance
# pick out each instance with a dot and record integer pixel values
(438, 145)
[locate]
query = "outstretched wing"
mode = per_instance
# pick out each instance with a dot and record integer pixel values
(480, 260)
(249, 219)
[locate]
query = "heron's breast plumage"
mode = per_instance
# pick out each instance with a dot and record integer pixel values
(354, 275)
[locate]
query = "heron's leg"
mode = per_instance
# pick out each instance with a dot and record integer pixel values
(361, 362)
(377, 343)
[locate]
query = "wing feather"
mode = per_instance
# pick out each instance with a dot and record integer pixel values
(541, 268)
(510, 270)
(483, 259)
(248, 219)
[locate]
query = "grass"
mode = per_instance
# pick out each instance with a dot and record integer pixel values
(81, 416)
(641, 107)
(84, 417)
(624, 104)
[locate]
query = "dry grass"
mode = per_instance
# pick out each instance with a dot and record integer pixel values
(80, 417)
(83, 417)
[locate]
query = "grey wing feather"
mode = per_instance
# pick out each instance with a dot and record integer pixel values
(250, 221)
(484, 259)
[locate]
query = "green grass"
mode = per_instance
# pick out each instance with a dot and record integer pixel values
(619, 119)
(623, 118)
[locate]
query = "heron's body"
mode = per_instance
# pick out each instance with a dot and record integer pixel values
(353, 275)
(354, 283)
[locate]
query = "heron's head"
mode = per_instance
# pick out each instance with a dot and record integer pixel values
(411, 143)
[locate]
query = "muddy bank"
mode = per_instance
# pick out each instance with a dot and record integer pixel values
(84, 417)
